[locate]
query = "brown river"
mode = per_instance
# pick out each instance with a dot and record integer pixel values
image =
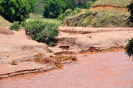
(100, 70)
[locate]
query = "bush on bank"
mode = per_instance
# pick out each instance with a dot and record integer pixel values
(129, 47)
(15, 26)
(41, 31)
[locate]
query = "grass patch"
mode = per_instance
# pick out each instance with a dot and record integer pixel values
(100, 18)
(4, 23)
(80, 19)
(40, 17)
(119, 3)
(111, 19)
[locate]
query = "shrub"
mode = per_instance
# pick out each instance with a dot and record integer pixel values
(70, 4)
(81, 19)
(88, 11)
(129, 48)
(53, 8)
(15, 26)
(81, 5)
(61, 17)
(76, 11)
(90, 3)
(86, 22)
(68, 12)
(42, 31)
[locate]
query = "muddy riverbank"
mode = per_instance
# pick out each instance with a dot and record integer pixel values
(100, 70)
(16, 46)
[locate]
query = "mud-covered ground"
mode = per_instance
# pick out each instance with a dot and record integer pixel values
(100, 70)
(85, 39)
(16, 47)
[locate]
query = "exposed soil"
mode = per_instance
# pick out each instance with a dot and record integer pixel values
(109, 7)
(86, 39)
(16, 48)
(15, 44)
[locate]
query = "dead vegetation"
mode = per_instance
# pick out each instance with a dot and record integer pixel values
(54, 60)
(14, 62)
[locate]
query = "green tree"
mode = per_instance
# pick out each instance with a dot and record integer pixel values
(129, 47)
(81, 5)
(14, 10)
(33, 4)
(70, 4)
(61, 17)
(53, 8)
(90, 3)
(130, 9)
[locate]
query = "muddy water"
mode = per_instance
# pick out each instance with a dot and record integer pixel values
(103, 70)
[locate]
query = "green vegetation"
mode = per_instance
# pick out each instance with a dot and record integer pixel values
(53, 8)
(61, 17)
(68, 12)
(76, 11)
(129, 48)
(120, 3)
(15, 26)
(13, 10)
(70, 4)
(130, 9)
(111, 19)
(33, 4)
(41, 31)
(40, 17)
(102, 19)
(80, 19)
(39, 8)
(85, 5)
(90, 3)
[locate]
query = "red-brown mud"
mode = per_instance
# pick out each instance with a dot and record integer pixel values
(109, 7)
(100, 70)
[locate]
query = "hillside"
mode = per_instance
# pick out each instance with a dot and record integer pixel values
(103, 13)
(117, 3)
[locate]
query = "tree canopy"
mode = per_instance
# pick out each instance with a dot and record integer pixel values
(15, 10)
(53, 8)
(130, 9)
(33, 4)
(70, 4)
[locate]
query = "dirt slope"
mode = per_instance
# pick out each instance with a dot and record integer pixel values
(15, 44)
(80, 39)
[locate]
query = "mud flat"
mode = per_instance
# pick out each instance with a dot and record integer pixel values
(36, 64)
(19, 55)
(86, 39)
